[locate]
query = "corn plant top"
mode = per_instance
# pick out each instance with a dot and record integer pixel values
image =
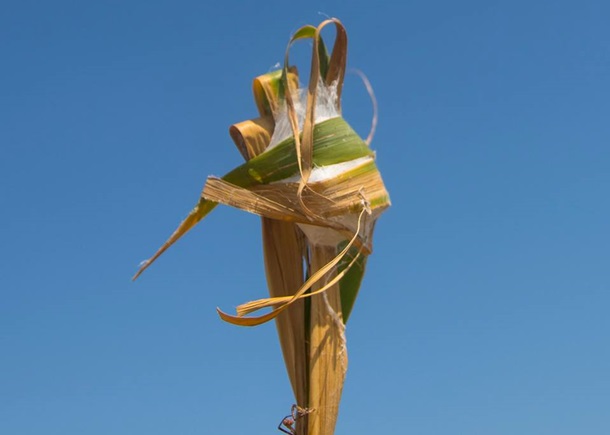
(275, 183)
(315, 184)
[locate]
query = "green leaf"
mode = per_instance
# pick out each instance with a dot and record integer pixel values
(350, 283)
(334, 142)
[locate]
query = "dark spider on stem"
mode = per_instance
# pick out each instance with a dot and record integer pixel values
(287, 425)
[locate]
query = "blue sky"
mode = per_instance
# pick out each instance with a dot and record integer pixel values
(484, 310)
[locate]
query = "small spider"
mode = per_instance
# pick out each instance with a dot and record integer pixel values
(287, 425)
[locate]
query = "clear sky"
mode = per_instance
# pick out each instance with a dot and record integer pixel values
(485, 307)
